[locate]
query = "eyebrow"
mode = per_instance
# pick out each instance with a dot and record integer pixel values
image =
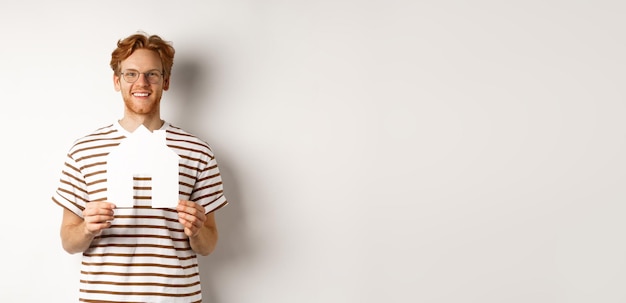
(150, 70)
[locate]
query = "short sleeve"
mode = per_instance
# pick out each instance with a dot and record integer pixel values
(71, 192)
(208, 190)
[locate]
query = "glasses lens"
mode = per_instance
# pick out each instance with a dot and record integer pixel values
(153, 77)
(131, 76)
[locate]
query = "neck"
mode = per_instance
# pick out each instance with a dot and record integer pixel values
(131, 123)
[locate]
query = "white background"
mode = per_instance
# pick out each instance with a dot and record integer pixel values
(372, 151)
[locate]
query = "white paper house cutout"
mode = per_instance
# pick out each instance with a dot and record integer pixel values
(143, 153)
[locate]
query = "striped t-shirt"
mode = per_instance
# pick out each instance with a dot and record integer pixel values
(145, 255)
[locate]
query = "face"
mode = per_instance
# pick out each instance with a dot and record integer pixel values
(141, 97)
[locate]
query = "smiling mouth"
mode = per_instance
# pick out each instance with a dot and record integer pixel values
(141, 94)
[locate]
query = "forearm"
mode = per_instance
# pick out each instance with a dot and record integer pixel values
(204, 242)
(77, 232)
(75, 237)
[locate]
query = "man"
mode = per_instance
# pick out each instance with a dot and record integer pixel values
(139, 253)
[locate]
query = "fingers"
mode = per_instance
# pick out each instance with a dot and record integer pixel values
(98, 212)
(93, 206)
(191, 216)
(191, 211)
(98, 216)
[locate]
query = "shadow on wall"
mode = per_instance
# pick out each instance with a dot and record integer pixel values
(190, 90)
(188, 78)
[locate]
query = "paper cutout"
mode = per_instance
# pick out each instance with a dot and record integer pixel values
(143, 153)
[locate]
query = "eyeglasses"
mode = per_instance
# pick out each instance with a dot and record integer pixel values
(131, 76)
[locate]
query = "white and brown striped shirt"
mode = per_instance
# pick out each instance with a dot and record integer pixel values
(145, 255)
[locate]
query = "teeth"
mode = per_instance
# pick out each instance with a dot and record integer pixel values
(140, 94)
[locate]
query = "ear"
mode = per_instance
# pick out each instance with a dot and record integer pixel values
(166, 83)
(116, 82)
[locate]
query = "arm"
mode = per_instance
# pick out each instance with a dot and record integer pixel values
(201, 228)
(77, 233)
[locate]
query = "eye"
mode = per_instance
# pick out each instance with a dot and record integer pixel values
(131, 74)
(153, 74)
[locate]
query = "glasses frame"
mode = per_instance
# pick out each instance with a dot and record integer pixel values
(123, 75)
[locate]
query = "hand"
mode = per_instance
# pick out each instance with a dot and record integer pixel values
(191, 216)
(98, 216)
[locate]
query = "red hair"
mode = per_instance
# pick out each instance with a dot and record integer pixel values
(128, 45)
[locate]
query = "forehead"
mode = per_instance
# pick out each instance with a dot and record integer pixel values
(142, 59)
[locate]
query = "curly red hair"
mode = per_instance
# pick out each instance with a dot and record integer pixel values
(128, 45)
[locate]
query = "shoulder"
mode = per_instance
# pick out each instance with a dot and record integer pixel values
(105, 135)
(181, 139)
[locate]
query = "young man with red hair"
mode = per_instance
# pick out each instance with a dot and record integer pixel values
(139, 253)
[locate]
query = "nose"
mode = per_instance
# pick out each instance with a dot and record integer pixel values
(142, 80)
